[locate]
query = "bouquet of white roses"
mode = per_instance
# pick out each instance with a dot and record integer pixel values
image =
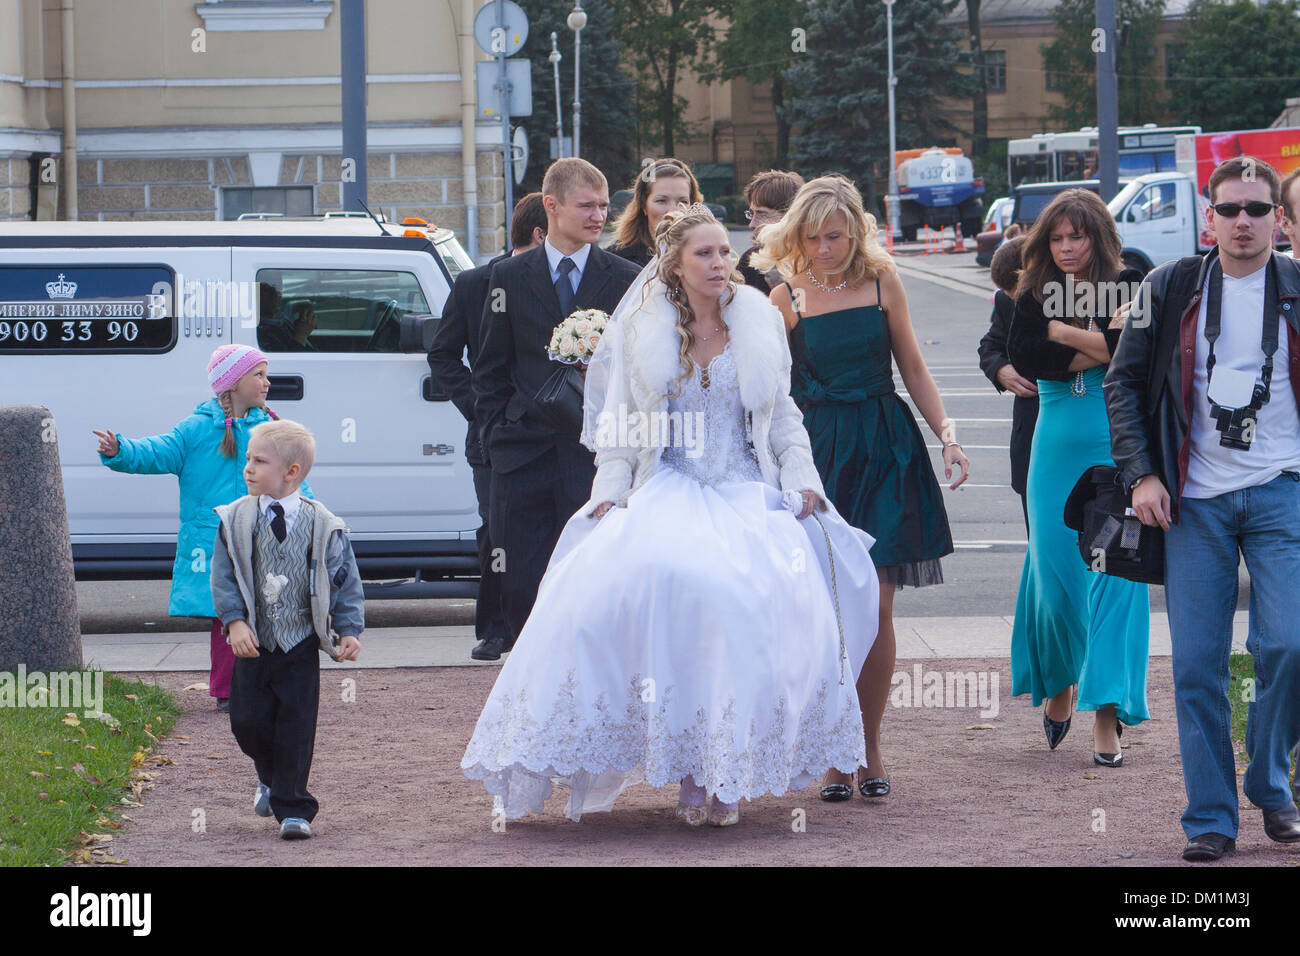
(575, 339)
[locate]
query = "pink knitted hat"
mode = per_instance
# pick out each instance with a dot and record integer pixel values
(230, 363)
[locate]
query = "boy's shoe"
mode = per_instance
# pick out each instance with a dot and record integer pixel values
(262, 800)
(295, 828)
(223, 703)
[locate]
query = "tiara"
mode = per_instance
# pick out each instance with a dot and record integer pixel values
(699, 209)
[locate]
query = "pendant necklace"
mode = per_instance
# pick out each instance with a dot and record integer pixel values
(1077, 388)
(813, 279)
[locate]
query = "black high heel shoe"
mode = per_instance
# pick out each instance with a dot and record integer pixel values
(1055, 729)
(1115, 759)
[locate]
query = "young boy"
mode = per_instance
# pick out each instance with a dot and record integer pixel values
(285, 585)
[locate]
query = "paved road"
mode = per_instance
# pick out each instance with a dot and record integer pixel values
(949, 301)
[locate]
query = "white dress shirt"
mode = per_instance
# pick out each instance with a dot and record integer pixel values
(553, 257)
(290, 503)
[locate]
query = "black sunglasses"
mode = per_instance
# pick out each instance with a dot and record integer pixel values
(1254, 210)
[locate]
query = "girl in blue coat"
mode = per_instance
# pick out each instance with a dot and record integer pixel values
(206, 451)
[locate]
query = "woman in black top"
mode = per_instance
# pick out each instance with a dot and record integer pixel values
(660, 187)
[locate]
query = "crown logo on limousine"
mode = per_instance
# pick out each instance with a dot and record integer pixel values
(61, 289)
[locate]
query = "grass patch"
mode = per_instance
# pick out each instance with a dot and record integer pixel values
(65, 777)
(1241, 668)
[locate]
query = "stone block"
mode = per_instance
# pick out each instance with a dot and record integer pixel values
(427, 165)
(40, 628)
(87, 172)
(490, 164)
(379, 166)
(103, 198)
(398, 192)
(182, 197)
(327, 194)
(155, 171)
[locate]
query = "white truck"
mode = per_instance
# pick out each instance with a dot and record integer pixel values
(1159, 217)
(111, 324)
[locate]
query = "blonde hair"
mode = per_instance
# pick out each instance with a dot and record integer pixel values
(670, 237)
(563, 175)
(227, 403)
(633, 226)
(781, 243)
(293, 443)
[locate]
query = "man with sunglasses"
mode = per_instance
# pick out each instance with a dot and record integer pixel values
(1202, 395)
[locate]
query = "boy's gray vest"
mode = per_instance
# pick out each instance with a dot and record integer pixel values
(282, 581)
(238, 521)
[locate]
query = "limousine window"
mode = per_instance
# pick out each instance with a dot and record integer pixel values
(335, 310)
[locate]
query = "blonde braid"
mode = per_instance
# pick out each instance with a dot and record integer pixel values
(228, 446)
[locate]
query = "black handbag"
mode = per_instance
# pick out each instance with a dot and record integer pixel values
(1111, 539)
(560, 400)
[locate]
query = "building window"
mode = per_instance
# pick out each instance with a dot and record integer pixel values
(1053, 81)
(274, 200)
(995, 71)
(1174, 54)
(251, 15)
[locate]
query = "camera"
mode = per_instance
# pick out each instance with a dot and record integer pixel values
(1238, 424)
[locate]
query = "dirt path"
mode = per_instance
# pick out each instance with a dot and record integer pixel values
(387, 774)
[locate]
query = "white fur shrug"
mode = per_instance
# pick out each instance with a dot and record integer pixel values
(646, 371)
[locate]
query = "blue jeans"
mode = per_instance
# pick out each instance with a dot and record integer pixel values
(1201, 595)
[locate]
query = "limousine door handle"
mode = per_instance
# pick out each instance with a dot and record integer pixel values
(431, 391)
(285, 388)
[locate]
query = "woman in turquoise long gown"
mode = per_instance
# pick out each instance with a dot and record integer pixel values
(847, 314)
(1073, 626)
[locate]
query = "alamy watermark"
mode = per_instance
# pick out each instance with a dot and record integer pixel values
(58, 689)
(954, 689)
(626, 428)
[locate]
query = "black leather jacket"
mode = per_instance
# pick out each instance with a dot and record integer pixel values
(1149, 385)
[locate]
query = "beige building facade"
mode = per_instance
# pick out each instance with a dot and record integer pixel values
(208, 110)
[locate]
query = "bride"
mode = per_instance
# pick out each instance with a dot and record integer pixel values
(695, 625)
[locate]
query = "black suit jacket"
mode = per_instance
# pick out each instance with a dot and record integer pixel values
(513, 365)
(1024, 413)
(461, 328)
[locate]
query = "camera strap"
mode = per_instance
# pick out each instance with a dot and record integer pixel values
(1268, 340)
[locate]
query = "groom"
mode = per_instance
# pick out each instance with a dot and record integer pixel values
(540, 477)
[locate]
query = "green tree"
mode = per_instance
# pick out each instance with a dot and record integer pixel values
(762, 42)
(608, 114)
(1072, 59)
(1240, 63)
(663, 38)
(839, 108)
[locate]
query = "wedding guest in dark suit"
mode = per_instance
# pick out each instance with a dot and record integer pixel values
(660, 187)
(1004, 270)
(768, 195)
(540, 477)
(461, 329)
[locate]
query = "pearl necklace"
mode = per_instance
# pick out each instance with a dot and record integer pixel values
(1077, 388)
(813, 279)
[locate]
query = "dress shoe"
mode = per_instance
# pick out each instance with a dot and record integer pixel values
(1283, 826)
(295, 828)
(874, 787)
(837, 792)
(1108, 760)
(223, 704)
(1055, 729)
(489, 649)
(262, 800)
(1208, 846)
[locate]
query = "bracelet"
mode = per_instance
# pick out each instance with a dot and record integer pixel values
(949, 444)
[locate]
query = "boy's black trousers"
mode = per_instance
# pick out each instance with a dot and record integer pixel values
(274, 698)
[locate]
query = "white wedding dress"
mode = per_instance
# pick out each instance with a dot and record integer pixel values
(692, 632)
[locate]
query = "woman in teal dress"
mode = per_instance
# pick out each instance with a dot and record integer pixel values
(1073, 626)
(847, 315)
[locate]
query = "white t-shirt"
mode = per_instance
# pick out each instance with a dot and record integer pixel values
(1214, 469)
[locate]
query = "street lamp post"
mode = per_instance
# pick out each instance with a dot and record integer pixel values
(577, 20)
(559, 117)
(893, 145)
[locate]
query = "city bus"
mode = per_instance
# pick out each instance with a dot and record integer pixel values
(1058, 157)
